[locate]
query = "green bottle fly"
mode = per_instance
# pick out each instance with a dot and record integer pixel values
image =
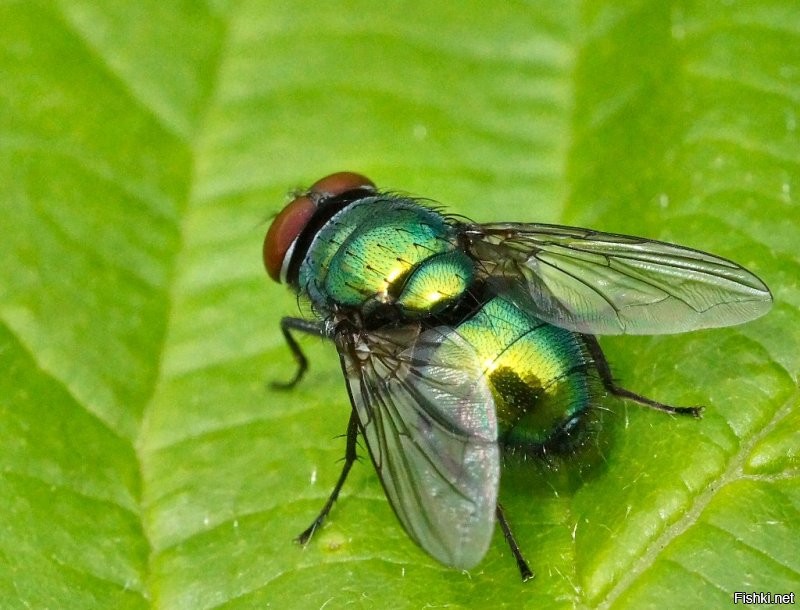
(459, 341)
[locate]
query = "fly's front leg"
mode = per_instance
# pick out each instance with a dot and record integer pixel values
(303, 326)
(611, 387)
(350, 457)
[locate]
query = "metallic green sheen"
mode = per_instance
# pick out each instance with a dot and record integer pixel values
(379, 242)
(537, 372)
(396, 251)
(436, 282)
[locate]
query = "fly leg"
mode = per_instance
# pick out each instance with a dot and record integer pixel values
(608, 383)
(318, 329)
(303, 326)
(349, 457)
(524, 571)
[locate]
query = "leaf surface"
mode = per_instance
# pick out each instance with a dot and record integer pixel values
(144, 146)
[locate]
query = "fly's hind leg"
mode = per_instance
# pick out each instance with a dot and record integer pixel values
(524, 571)
(350, 457)
(608, 383)
(303, 326)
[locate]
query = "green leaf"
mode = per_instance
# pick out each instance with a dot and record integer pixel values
(144, 461)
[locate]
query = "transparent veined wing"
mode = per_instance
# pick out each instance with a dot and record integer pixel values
(428, 418)
(603, 283)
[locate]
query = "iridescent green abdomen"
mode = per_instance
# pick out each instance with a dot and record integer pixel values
(537, 372)
(398, 253)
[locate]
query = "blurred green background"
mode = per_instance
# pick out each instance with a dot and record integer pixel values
(144, 462)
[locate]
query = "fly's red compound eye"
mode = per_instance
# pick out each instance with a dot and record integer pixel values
(294, 217)
(283, 231)
(340, 182)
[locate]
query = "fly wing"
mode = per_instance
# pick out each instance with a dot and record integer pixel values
(602, 283)
(428, 419)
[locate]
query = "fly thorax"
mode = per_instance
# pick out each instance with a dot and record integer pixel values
(387, 251)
